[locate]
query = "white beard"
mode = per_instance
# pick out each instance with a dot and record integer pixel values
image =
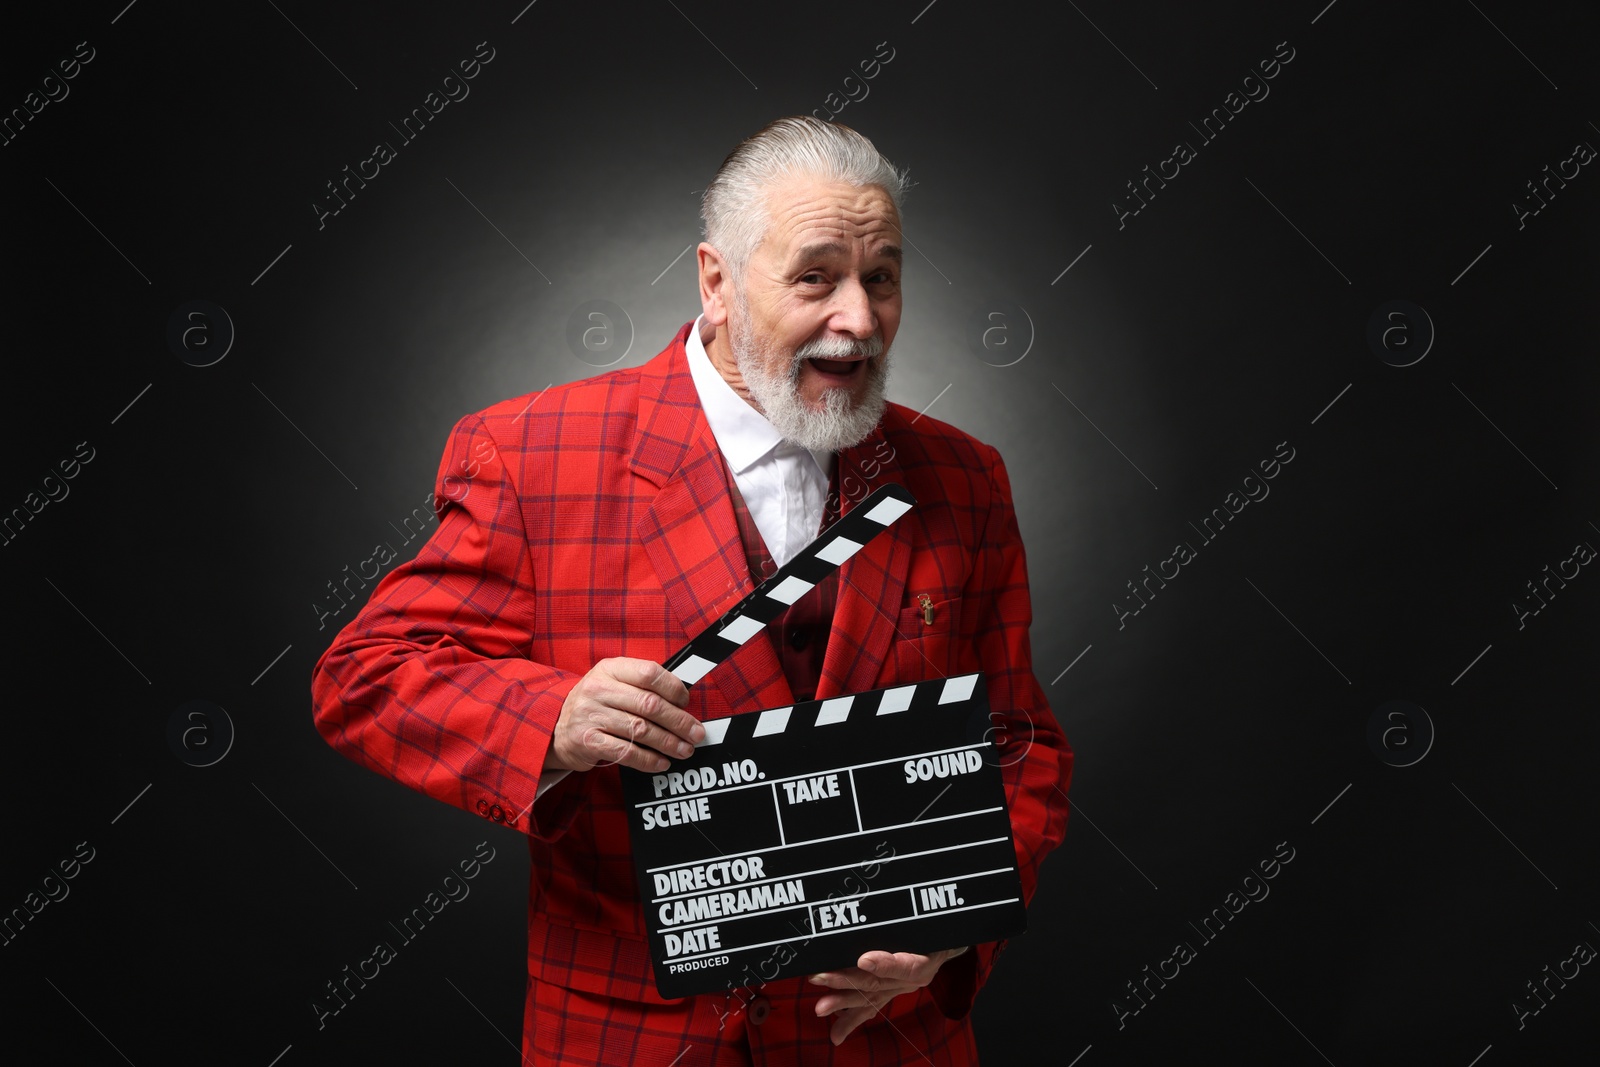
(838, 425)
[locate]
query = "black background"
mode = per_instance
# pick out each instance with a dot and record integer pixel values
(1179, 349)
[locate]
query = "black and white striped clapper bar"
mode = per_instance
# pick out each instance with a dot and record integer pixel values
(791, 582)
(794, 839)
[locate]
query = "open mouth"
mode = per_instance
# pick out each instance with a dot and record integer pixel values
(840, 369)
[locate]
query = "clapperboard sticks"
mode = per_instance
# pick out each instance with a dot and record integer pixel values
(793, 580)
(833, 710)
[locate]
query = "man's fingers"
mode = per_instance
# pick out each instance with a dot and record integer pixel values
(862, 993)
(905, 966)
(853, 978)
(641, 731)
(612, 733)
(627, 712)
(605, 748)
(647, 674)
(670, 686)
(846, 1021)
(652, 692)
(837, 1001)
(647, 704)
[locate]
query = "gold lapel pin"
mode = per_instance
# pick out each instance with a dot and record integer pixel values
(927, 607)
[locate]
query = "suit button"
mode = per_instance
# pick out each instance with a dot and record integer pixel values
(760, 1008)
(799, 638)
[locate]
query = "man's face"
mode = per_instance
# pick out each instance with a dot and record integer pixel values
(824, 283)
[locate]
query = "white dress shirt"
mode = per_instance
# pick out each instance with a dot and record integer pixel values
(784, 485)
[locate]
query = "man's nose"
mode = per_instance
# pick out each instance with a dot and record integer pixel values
(852, 311)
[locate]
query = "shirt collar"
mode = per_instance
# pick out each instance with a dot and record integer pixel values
(743, 434)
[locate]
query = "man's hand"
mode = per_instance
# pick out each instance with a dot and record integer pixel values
(878, 979)
(627, 711)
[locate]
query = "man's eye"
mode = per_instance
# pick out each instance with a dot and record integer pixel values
(812, 278)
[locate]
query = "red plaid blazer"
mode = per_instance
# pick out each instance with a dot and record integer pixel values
(594, 520)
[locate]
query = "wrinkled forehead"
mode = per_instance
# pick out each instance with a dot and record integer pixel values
(807, 217)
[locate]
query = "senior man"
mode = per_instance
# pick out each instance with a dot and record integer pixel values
(585, 534)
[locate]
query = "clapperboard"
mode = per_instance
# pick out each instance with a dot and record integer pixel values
(794, 839)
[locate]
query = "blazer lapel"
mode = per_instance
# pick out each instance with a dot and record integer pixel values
(689, 531)
(871, 582)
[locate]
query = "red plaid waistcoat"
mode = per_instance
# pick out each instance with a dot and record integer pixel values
(800, 635)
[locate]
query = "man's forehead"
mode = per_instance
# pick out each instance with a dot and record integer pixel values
(812, 218)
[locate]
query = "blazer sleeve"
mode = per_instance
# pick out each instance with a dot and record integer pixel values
(431, 683)
(1035, 758)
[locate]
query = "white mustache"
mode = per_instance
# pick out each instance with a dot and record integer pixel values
(840, 348)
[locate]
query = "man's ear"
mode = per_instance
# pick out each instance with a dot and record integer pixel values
(716, 284)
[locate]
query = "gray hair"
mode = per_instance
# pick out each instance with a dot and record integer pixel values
(734, 206)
